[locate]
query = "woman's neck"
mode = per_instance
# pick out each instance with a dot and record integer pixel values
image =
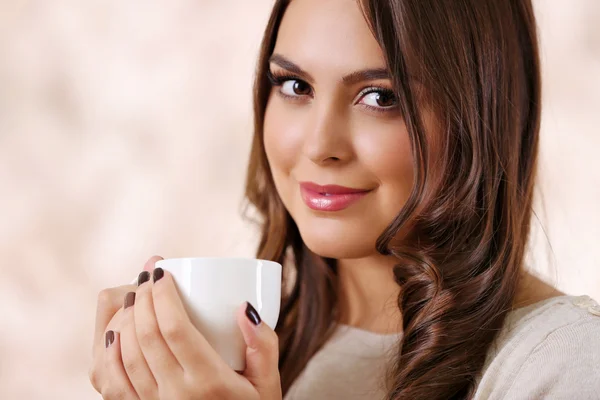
(368, 294)
(532, 289)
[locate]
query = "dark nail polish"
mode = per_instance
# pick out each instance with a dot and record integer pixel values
(157, 274)
(252, 314)
(144, 276)
(129, 300)
(110, 338)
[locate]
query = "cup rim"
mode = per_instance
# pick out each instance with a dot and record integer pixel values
(220, 258)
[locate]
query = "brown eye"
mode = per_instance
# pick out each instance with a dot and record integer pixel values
(301, 87)
(385, 100)
(295, 87)
(379, 99)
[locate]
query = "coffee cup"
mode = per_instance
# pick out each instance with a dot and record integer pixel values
(212, 289)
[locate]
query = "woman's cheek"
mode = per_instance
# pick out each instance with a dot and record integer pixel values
(384, 150)
(282, 135)
(283, 146)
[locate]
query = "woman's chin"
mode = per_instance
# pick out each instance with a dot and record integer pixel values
(334, 246)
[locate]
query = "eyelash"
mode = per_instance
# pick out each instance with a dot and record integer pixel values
(278, 79)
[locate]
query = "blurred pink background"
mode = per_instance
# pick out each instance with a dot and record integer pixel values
(124, 133)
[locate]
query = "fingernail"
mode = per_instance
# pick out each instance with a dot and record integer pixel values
(252, 314)
(129, 300)
(110, 338)
(144, 276)
(157, 274)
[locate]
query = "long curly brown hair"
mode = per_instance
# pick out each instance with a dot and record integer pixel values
(465, 226)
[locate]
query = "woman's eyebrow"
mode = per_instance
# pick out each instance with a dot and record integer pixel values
(290, 66)
(353, 78)
(366, 75)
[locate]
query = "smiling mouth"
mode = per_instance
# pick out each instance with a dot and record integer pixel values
(330, 198)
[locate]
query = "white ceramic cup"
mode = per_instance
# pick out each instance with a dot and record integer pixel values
(212, 289)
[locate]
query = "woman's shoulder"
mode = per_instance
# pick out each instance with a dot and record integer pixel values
(555, 313)
(548, 349)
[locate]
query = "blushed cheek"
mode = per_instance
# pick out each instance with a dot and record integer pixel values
(385, 152)
(282, 137)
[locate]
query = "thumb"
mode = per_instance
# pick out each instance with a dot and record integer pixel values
(262, 352)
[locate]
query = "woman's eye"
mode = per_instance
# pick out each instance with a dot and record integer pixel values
(295, 87)
(379, 99)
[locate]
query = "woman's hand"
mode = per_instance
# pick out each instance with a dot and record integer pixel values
(159, 354)
(109, 317)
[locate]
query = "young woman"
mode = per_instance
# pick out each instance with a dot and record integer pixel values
(393, 164)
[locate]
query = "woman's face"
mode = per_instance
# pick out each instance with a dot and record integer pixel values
(335, 139)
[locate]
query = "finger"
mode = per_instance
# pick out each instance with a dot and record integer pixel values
(187, 344)
(109, 302)
(135, 364)
(162, 363)
(262, 352)
(116, 384)
(149, 266)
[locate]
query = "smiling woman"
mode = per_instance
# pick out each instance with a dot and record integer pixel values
(393, 164)
(394, 157)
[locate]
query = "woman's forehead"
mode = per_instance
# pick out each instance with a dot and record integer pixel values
(328, 35)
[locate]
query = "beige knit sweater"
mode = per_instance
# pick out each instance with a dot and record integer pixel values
(548, 350)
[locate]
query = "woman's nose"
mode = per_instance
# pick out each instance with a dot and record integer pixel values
(327, 138)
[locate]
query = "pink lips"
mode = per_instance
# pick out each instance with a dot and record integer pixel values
(330, 197)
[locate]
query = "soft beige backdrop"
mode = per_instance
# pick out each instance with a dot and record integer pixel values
(124, 132)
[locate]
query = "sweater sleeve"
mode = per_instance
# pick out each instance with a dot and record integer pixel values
(565, 365)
